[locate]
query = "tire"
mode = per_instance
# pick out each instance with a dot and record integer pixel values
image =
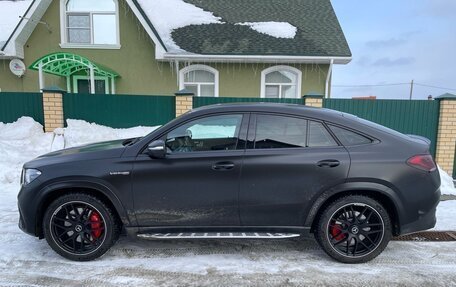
(80, 227)
(353, 229)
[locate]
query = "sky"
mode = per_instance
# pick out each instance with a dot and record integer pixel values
(395, 42)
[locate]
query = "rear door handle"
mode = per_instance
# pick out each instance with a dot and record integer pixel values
(328, 163)
(221, 166)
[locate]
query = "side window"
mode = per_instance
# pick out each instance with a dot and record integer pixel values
(280, 132)
(205, 134)
(349, 138)
(319, 136)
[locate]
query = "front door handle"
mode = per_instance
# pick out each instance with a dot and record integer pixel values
(328, 163)
(221, 166)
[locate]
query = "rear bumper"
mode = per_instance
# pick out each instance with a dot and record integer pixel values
(426, 218)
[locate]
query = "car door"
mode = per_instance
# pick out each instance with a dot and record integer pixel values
(197, 183)
(289, 160)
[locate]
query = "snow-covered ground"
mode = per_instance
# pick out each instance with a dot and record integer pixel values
(27, 261)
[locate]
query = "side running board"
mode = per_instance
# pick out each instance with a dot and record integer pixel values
(216, 235)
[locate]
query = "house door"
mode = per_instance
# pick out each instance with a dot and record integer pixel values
(83, 86)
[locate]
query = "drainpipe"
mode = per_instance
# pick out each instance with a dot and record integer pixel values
(328, 78)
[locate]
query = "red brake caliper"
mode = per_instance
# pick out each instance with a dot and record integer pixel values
(336, 232)
(96, 225)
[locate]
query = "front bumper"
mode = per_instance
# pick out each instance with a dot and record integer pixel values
(28, 209)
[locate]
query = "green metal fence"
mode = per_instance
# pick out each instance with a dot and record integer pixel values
(16, 105)
(409, 117)
(120, 111)
(204, 101)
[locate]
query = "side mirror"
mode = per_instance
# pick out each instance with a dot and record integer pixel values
(157, 149)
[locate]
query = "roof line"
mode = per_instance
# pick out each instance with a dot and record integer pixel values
(258, 58)
(151, 26)
(17, 26)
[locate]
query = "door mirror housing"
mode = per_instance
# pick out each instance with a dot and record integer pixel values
(157, 149)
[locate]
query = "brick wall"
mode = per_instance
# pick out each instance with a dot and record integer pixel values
(183, 104)
(446, 139)
(53, 110)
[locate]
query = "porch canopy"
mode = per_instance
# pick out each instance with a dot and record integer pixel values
(68, 64)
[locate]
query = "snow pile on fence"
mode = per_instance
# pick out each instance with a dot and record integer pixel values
(274, 29)
(20, 142)
(79, 132)
(167, 15)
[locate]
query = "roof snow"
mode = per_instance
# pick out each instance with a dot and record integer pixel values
(274, 29)
(10, 12)
(168, 15)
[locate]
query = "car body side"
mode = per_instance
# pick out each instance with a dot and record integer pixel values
(378, 169)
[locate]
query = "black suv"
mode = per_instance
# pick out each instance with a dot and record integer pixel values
(237, 171)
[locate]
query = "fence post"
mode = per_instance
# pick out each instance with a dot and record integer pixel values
(184, 101)
(446, 138)
(314, 100)
(53, 108)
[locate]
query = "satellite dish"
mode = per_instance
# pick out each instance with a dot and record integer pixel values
(17, 67)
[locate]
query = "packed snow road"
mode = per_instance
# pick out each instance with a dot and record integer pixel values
(27, 261)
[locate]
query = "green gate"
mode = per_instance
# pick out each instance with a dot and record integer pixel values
(409, 117)
(16, 105)
(204, 101)
(120, 111)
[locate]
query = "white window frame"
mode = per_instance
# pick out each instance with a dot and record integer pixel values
(192, 68)
(272, 69)
(87, 78)
(64, 31)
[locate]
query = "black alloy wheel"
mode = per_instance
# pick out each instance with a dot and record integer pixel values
(354, 229)
(80, 227)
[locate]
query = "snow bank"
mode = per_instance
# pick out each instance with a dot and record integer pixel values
(9, 16)
(274, 29)
(447, 185)
(446, 213)
(80, 132)
(167, 15)
(20, 142)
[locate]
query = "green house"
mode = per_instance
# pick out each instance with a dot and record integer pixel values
(214, 48)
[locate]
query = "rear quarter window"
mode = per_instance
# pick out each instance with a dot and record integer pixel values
(349, 138)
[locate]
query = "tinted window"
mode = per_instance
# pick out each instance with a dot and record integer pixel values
(280, 132)
(319, 136)
(348, 138)
(206, 134)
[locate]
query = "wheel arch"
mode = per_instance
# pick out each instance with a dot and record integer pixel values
(385, 195)
(56, 190)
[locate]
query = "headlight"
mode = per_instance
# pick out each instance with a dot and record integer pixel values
(29, 175)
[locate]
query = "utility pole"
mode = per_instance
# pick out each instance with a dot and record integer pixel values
(411, 89)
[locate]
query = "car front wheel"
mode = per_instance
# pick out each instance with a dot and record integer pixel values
(354, 229)
(80, 227)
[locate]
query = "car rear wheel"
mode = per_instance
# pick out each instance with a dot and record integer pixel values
(354, 229)
(80, 227)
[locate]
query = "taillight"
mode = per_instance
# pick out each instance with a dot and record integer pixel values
(423, 161)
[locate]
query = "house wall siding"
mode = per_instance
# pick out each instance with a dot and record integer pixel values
(135, 62)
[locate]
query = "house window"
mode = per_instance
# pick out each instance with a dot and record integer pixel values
(88, 22)
(281, 82)
(82, 85)
(200, 79)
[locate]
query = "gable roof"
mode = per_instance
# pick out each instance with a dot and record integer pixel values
(10, 16)
(221, 30)
(248, 27)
